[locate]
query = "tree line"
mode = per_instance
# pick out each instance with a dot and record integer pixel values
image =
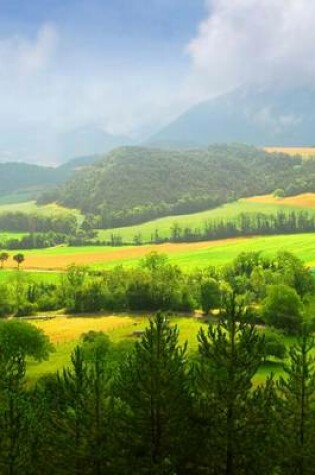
(244, 224)
(156, 407)
(277, 290)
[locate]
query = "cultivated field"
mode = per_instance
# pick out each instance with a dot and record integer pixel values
(266, 204)
(186, 255)
(305, 152)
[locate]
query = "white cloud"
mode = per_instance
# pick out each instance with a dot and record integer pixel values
(20, 57)
(253, 41)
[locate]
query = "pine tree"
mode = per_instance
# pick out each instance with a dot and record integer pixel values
(69, 418)
(153, 388)
(297, 410)
(230, 355)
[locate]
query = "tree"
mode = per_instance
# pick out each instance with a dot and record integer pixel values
(19, 340)
(210, 295)
(19, 259)
(152, 384)
(279, 193)
(294, 273)
(4, 256)
(230, 355)
(282, 308)
(274, 345)
(297, 413)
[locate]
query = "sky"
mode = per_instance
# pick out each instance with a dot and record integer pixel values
(128, 67)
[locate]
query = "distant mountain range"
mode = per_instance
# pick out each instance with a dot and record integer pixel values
(256, 117)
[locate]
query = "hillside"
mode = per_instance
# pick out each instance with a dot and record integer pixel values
(135, 184)
(258, 117)
(27, 180)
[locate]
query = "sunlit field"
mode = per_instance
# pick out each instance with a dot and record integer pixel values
(266, 204)
(186, 255)
(305, 152)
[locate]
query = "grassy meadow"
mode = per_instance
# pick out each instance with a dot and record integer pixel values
(65, 333)
(30, 207)
(186, 255)
(266, 204)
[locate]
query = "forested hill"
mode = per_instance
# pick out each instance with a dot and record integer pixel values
(132, 184)
(16, 176)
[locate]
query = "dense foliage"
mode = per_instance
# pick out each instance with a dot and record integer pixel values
(135, 184)
(275, 289)
(155, 408)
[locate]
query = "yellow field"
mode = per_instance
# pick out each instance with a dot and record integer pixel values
(303, 200)
(306, 152)
(52, 260)
(65, 329)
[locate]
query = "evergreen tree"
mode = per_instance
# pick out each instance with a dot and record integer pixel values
(297, 412)
(69, 418)
(153, 387)
(230, 355)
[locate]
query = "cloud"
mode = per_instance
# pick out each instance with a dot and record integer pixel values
(20, 58)
(47, 87)
(257, 42)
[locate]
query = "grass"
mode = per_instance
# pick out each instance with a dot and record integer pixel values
(31, 207)
(266, 204)
(6, 236)
(39, 277)
(65, 333)
(187, 255)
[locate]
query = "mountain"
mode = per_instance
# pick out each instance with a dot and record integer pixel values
(257, 117)
(133, 184)
(38, 143)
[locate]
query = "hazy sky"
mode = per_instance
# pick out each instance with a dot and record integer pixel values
(129, 66)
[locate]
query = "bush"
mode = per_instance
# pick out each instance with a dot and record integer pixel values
(282, 308)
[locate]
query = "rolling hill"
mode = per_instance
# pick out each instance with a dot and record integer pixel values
(28, 181)
(136, 184)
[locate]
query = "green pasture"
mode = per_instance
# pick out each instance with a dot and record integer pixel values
(302, 245)
(122, 336)
(188, 257)
(42, 277)
(32, 208)
(196, 220)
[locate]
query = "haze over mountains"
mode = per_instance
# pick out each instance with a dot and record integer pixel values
(257, 117)
(250, 116)
(33, 145)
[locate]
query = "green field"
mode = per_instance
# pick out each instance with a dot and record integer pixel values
(196, 220)
(32, 207)
(187, 256)
(5, 236)
(65, 333)
(43, 277)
